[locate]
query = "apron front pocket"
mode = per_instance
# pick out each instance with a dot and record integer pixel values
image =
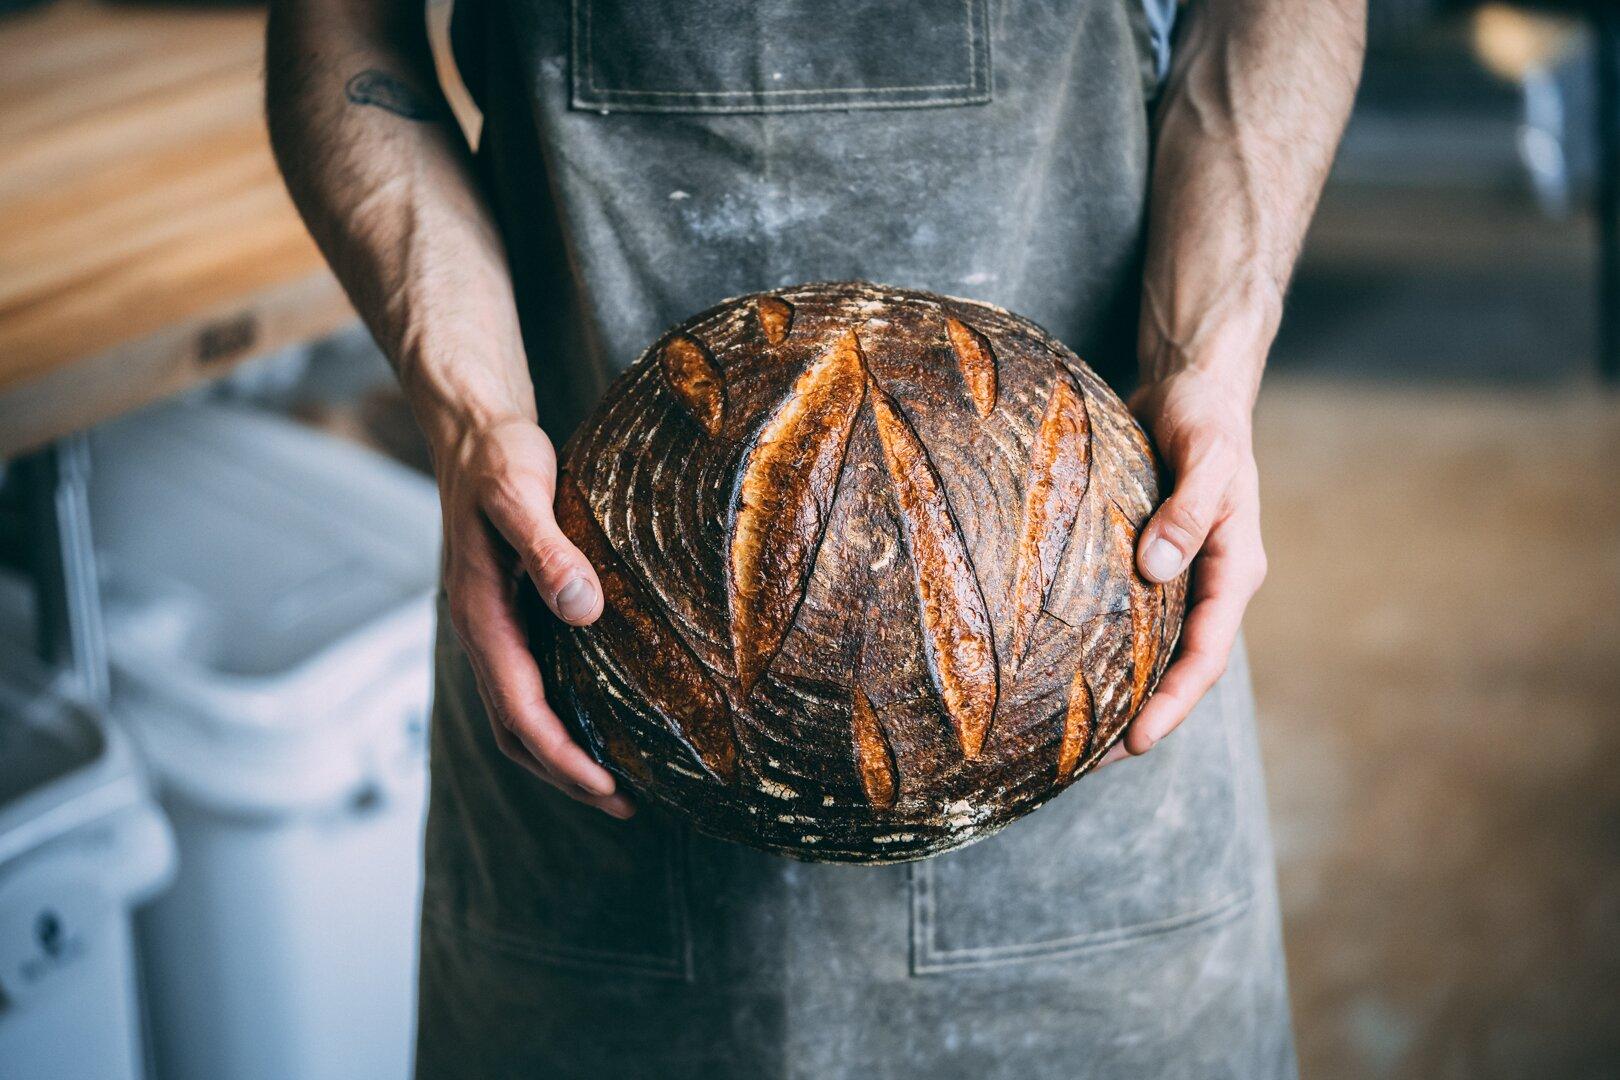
(761, 56)
(611, 900)
(514, 865)
(1144, 847)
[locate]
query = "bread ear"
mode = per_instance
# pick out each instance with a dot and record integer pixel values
(786, 490)
(1054, 486)
(977, 362)
(691, 374)
(775, 318)
(955, 622)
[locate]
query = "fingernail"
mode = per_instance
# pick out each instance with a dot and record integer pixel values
(1161, 560)
(605, 786)
(576, 599)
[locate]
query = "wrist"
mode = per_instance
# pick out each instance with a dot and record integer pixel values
(1191, 401)
(1224, 341)
(454, 422)
(472, 446)
(460, 398)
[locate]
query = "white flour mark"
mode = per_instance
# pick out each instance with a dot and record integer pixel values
(778, 791)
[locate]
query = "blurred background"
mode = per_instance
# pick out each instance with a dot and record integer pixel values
(218, 556)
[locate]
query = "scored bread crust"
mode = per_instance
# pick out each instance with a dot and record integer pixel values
(868, 562)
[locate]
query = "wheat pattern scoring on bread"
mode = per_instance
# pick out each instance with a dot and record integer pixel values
(868, 557)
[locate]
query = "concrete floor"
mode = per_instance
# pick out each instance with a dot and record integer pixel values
(1437, 662)
(1437, 649)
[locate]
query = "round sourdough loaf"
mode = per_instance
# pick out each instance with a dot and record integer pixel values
(868, 559)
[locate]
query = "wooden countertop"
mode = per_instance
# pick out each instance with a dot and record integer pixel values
(146, 242)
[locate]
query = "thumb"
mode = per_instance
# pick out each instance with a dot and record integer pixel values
(560, 572)
(1179, 527)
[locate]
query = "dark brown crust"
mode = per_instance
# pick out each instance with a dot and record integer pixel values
(1174, 594)
(850, 624)
(1107, 661)
(977, 361)
(956, 625)
(783, 500)
(675, 683)
(1147, 609)
(1079, 722)
(692, 376)
(622, 749)
(1056, 484)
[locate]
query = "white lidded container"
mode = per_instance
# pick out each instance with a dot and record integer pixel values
(269, 608)
(81, 844)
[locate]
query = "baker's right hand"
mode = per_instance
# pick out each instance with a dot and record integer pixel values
(496, 487)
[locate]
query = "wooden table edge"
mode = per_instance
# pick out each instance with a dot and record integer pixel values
(81, 394)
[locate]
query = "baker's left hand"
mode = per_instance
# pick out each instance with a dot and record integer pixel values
(1211, 520)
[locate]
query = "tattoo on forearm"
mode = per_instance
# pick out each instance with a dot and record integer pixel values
(384, 91)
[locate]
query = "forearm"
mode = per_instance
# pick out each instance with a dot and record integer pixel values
(1246, 131)
(1256, 101)
(382, 177)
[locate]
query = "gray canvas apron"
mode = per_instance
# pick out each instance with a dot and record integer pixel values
(647, 158)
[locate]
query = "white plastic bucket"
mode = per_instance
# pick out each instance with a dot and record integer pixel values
(81, 844)
(269, 621)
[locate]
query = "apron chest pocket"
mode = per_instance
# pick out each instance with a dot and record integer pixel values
(761, 56)
(1143, 848)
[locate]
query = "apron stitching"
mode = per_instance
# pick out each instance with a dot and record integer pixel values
(680, 916)
(853, 103)
(931, 918)
(992, 955)
(575, 46)
(668, 966)
(973, 83)
(972, 46)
